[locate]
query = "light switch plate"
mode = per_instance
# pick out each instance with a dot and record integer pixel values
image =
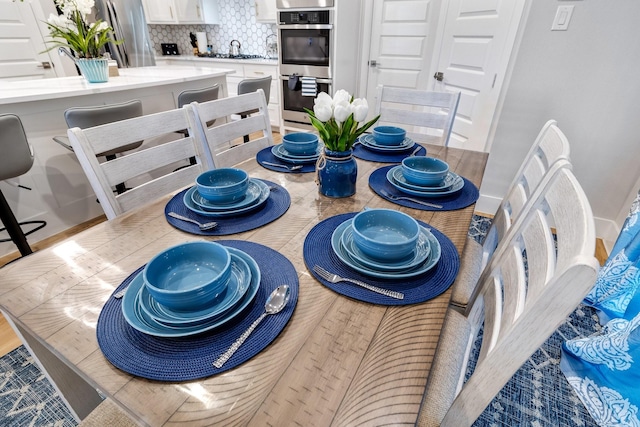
(562, 18)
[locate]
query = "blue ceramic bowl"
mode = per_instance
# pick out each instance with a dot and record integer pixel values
(224, 185)
(188, 276)
(300, 143)
(388, 135)
(385, 234)
(424, 171)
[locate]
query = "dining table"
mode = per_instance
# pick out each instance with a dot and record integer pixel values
(338, 361)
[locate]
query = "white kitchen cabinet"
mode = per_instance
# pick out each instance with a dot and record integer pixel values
(197, 11)
(159, 11)
(266, 10)
(181, 11)
(244, 69)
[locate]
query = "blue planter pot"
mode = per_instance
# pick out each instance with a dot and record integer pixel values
(94, 70)
(337, 174)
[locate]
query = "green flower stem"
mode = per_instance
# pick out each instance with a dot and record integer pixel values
(339, 136)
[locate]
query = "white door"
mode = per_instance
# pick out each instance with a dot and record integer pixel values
(401, 44)
(474, 50)
(21, 56)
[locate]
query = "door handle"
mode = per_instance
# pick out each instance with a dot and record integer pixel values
(373, 63)
(439, 76)
(46, 65)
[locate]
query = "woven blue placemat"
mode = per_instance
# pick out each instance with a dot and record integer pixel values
(468, 195)
(265, 155)
(276, 205)
(361, 152)
(188, 358)
(317, 250)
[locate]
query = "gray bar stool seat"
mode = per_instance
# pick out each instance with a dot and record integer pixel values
(198, 95)
(252, 85)
(16, 160)
(87, 117)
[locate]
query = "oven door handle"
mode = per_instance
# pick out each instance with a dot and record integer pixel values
(306, 27)
(327, 81)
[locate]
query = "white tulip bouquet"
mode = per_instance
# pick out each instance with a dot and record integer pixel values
(337, 119)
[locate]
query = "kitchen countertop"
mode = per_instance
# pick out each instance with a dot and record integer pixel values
(194, 58)
(129, 78)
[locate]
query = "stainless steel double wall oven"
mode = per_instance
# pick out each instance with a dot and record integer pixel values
(306, 44)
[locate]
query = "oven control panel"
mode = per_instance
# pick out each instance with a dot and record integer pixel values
(307, 17)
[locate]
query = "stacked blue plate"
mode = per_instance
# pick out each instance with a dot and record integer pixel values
(451, 184)
(145, 314)
(370, 143)
(297, 159)
(423, 258)
(257, 194)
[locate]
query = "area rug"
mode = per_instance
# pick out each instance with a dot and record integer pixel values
(27, 398)
(538, 395)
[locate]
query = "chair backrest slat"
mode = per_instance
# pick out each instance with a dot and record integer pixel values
(150, 171)
(137, 163)
(420, 112)
(223, 143)
(151, 190)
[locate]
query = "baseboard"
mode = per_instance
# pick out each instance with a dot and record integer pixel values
(487, 205)
(606, 229)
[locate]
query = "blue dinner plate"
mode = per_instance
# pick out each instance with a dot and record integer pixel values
(369, 142)
(282, 154)
(428, 264)
(419, 255)
(138, 319)
(396, 174)
(254, 190)
(264, 195)
(426, 191)
(236, 287)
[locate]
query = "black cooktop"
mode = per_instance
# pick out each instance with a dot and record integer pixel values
(227, 56)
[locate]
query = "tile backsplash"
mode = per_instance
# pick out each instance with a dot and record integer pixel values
(237, 21)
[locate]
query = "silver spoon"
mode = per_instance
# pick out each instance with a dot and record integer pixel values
(203, 226)
(291, 168)
(275, 303)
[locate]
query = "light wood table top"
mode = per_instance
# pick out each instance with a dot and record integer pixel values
(338, 361)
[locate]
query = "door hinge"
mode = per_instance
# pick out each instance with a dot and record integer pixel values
(439, 76)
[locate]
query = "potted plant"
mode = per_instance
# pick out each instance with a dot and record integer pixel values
(338, 122)
(86, 40)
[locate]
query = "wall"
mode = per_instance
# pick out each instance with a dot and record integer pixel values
(586, 79)
(237, 21)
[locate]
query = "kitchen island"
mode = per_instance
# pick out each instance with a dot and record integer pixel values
(61, 193)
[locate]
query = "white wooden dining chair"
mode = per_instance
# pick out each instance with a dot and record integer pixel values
(526, 292)
(151, 170)
(430, 115)
(224, 144)
(550, 150)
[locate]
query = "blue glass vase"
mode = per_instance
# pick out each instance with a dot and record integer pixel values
(94, 70)
(337, 174)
